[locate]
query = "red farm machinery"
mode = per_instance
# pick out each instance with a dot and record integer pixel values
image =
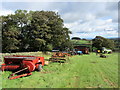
(22, 64)
(59, 57)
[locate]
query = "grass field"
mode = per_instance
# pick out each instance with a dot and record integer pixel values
(81, 42)
(84, 71)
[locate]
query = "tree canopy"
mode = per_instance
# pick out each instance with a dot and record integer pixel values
(33, 31)
(100, 42)
(76, 38)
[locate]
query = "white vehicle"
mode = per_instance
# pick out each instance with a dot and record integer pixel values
(104, 50)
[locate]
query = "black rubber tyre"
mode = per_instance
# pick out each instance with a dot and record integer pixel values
(39, 67)
(105, 51)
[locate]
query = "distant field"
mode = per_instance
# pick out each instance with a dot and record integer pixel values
(81, 41)
(84, 71)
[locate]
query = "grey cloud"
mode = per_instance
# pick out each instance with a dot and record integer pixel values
(112, 6)
(80, 11)
(78, 16)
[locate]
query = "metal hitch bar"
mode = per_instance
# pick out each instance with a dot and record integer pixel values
(15, 77)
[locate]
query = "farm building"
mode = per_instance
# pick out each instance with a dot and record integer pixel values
(84, 49)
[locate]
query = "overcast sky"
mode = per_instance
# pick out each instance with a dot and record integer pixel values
(84, 19)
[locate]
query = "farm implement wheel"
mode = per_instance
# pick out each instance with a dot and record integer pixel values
(30, 65)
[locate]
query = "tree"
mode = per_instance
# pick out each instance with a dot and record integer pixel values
(23, 20)
(34, 31)
(84, 39)
(48, 25)
(100, 42)
(10, 34)
(76, 38)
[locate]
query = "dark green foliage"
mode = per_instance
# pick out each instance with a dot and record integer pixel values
(100, 42)
(10, 34)
(117, 43)
(76, 38)
(34, 31)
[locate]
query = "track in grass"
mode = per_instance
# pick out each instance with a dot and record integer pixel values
(81, 71)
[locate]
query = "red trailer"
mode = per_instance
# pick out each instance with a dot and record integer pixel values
(22, 63)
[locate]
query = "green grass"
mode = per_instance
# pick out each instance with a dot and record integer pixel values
(84, 71)
(81, 42)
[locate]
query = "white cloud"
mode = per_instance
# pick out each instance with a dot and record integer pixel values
(69, 17)
(93, 28)
(107, 34)
(61, 1)
(90, 17)
(6, 12)
(81, 17)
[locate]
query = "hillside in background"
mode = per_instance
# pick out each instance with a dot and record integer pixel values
(88, 42)
(78, 42)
